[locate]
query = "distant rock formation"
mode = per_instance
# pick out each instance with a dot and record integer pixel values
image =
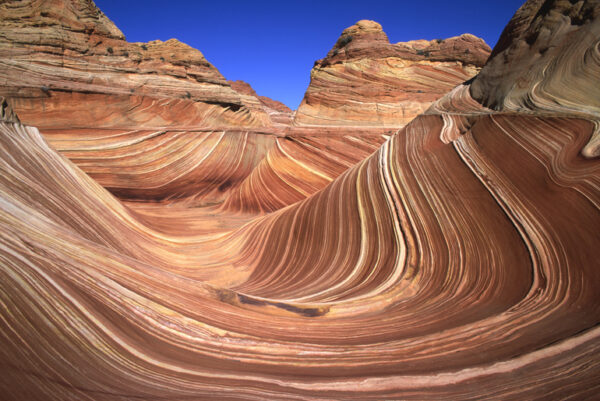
(278, 112)
(366, 81)
(57, 55)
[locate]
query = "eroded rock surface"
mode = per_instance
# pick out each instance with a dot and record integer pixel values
(278, 112)
(56, 55)
(366, 81)
(547, 60)
(457, 259)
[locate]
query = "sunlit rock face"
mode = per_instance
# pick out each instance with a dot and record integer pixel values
(458, 261)
(151, 121)
(57, 55)
(366, 81)
(547, 60)
(278, 112)
(298, 166)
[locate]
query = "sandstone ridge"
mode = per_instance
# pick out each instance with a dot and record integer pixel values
(367, 81)
(57, 54)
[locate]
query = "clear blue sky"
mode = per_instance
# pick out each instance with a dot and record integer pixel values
(273, 44)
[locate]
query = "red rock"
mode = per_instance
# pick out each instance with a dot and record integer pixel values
(458, 261)
(366, 81)
(544, 61)
(52, 49)
(278, 112)
(275, 105)
(7, 113)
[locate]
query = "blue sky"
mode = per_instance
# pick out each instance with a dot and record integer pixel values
(273, 44)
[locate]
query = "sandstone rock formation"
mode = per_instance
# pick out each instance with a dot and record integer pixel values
(7, 114)
(366, 81)
(149, 121)
(298, 166)
(56, 55)
(458, 261)
(277, 111)
(199, 166)
(547, 60)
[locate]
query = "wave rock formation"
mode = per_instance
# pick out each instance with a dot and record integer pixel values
(454, 258)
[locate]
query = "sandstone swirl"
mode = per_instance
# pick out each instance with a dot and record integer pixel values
(458, 261)
(155, 121)
(366, 81)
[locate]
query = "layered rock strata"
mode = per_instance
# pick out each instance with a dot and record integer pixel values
(298, 166)
(200, 167)
(278, 112)
(545, 61)
(459, 261)
(56, 55)
(366, 81)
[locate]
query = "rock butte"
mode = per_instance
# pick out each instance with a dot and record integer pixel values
(167, 234)
(366, 81)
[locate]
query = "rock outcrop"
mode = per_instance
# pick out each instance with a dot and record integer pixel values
(366, 81)
(458, 261)
(278, 112)
(57, 55)
(547, 60)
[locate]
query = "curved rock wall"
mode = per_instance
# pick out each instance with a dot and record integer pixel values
(458, 261)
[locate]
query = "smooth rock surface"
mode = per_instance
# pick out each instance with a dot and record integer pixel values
(456, 258)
